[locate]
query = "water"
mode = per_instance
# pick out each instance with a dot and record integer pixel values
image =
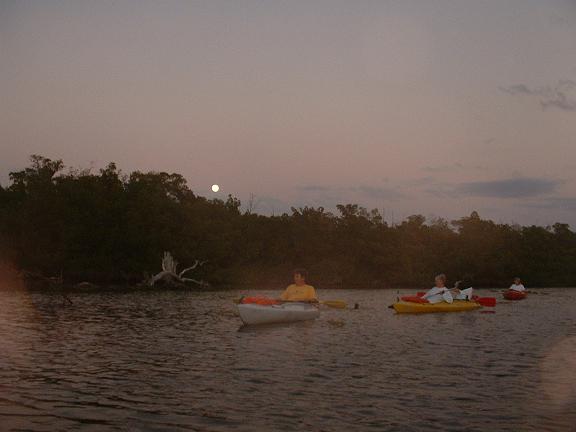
(159, 361)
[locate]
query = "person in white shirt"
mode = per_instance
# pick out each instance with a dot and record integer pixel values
(517, 285)
(440, 293)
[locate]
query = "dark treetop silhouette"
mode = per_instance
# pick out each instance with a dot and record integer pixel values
(112, 227)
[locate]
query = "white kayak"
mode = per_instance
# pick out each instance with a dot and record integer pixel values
(281, 313)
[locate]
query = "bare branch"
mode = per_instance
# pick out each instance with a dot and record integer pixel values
(202, 283)
(169, 272)
(196, 264)
(159, 276)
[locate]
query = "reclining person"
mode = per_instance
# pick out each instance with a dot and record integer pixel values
(440, 293)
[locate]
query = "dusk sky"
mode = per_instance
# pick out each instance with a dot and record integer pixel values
(431, 107)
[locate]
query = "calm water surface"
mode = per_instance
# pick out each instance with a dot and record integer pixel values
(162, 361)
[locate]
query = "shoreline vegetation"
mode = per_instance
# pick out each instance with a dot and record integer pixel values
(82, 229)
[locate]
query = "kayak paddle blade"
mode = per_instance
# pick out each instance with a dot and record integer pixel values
(487, 301)
(337, 304)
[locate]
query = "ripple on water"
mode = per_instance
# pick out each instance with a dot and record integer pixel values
(181, 361)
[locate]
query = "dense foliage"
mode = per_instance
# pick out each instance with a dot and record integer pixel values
(111, 227)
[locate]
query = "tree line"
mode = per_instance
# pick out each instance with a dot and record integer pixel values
(111, 227)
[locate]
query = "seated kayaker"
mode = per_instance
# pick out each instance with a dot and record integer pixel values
(517, 285)
(299, 291)
(440, 293)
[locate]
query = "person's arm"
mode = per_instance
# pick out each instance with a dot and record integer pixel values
(431, 292)
(312, 295)
(427, 294)
(286, 294)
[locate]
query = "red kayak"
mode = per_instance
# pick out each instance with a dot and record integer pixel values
(514, 295)
(414, 299)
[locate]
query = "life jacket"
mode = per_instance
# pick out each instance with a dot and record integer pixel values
(259, 300)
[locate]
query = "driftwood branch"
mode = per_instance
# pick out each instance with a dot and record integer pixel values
(201, 282)
(196, 264)
(170, 276)
(169, 264)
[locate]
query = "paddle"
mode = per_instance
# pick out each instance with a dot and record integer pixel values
(486, 301)
(337, 304)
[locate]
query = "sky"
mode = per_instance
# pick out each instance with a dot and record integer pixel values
(431, 107)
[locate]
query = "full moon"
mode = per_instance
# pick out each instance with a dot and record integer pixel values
(215, 188)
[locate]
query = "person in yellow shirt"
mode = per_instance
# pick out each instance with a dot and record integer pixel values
(299, 291)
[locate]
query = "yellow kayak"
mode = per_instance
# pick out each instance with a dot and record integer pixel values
(456, 306)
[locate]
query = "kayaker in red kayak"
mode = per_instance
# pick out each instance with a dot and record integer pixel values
(299, 291)
(517, 285)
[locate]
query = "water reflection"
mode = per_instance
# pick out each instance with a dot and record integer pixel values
(181, 361)
(558, 371)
